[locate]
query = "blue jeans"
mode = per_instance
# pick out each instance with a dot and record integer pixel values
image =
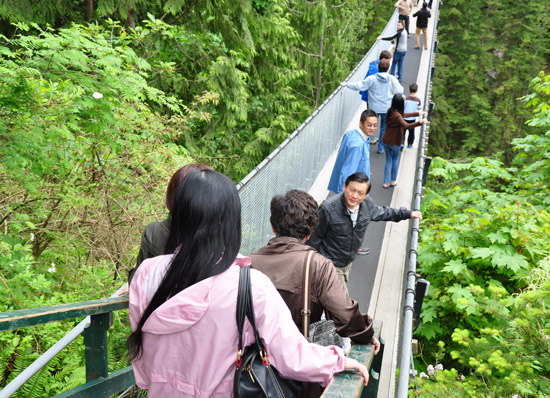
(382, 117)
(398, 58)
(392, 162)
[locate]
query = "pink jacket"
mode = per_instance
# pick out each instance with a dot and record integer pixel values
(190, 342)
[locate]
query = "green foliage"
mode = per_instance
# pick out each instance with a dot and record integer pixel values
(335, 35)
(27, 283)
(81, 160)
(512, 356)
(485, 252)
(488, 52)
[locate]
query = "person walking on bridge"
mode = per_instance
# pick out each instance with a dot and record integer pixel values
(400, 50)
(382, 86)
(354, 152)
(394, 137)
(373, 68)
(343, 222)
(422, 25)
(405, 7)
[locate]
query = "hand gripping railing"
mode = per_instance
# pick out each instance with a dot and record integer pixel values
(405, 355)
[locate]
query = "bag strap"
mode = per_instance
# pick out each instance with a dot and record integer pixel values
(306, 299)
(242, 305)
(392, 89)
(245, 307)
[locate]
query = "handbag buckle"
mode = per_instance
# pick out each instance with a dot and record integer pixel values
(265, 359)
(306, 312)
(239, 358)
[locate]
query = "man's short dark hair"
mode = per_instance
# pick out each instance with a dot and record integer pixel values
(358, 177)
(413, 88)
(385, 54)
(384, 65)
(294, 214)
(367, 113)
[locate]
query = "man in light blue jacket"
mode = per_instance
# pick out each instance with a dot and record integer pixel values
(382, 86)
(353, 154)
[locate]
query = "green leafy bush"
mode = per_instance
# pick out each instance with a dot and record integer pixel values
(485, 251)
(84, 165)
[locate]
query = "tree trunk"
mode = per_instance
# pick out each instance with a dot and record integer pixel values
(89, 9)
(131, 20)
(320, 73)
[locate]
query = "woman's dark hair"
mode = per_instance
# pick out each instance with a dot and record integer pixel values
(206, 225)
(176, 179)
(397, 104)
(294, 214)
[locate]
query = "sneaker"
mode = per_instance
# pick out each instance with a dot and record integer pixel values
(374, 141)
(363, 250)
(409, 146)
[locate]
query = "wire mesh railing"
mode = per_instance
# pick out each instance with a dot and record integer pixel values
(296, 163)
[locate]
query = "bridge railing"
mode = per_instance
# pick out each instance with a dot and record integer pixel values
(350, 384)
(99, 314)
(405, 354)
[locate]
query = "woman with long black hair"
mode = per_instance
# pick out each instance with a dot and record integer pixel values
(183, 305)
(393, 136)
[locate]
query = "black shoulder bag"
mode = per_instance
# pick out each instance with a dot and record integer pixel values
(255, 377)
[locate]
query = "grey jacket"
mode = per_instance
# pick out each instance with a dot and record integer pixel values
(336, 238)
(153, 242)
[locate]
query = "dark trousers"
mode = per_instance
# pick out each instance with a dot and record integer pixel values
(406, 19)
(410, 139)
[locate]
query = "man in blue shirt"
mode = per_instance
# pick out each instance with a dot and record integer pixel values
(353, 154)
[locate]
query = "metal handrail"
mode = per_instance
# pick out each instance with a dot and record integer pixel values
(408, 317)
(41, 361)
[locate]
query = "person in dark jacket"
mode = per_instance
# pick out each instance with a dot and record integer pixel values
(394, 136)
(293, 218)
(343, 221)
(155, 234)
(422, 16)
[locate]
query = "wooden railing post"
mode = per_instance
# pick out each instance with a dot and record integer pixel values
(95, 343)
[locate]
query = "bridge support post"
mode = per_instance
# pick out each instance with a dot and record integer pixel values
(95, 343)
